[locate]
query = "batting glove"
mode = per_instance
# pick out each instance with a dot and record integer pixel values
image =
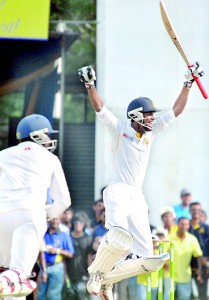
(194, 70)
(87, 75)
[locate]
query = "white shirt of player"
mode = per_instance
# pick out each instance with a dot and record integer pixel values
(27, 171)
(130, 153)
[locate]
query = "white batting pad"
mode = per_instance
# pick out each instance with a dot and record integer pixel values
(133, 267)
(116, 242)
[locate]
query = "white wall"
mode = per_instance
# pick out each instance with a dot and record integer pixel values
(135, 57)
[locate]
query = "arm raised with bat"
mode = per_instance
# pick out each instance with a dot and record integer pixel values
(194, 71)
(174, 37)
(88, 76)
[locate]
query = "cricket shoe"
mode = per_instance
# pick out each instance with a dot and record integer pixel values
(106, 292)
(94, 284)
(15, 283)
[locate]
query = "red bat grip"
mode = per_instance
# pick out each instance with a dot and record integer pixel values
(200, 86)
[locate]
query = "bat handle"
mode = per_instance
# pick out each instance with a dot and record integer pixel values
(200, 86)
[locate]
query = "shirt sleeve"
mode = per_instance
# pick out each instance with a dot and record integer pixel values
(107, 118)
(58, 191)
(164, 121)
(196, 248)
(206, 248)
(68, 243)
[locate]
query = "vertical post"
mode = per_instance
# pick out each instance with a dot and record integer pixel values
(172, 246)
(62, 90)
(160, 276)
(149, 286)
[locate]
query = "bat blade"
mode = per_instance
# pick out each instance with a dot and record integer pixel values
(174, 37)
(171, 31)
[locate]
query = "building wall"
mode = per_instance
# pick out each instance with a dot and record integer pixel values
(135, 57)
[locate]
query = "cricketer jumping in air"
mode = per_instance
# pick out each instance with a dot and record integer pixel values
(126, 208)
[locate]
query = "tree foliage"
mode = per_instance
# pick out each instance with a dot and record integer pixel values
(82, 52)
(73, 10)
(80, 17)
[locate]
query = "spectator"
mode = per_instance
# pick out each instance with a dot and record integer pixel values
(182, 209)
(82, 214)
(93, 250)
(160, 232)
(100, 229)
(138, 284)
(186, 246)
(94, 214)
(78, 264)
(142, 278)
(59, 246)
(203, 216)
(168, 218)
(132, 287)
(65, 220)
(39, 265)
(201, 231)
(206, 261)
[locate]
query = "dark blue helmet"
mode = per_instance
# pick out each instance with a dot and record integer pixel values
(33, 123)
(141, 104)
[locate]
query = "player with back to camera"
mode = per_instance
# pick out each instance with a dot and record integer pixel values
(27, 171)
(126, 208)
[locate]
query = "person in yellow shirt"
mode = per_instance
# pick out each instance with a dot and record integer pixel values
(142, 279)
(186, 246)
(168, 217)
(142, 286)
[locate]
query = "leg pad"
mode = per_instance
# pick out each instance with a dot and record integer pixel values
(115, 243)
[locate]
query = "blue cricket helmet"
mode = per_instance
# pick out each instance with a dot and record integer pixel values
(33, 123)
(143, 105)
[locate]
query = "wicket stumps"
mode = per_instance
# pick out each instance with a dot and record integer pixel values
(161, 274)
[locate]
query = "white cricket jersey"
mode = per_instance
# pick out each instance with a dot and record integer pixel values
(130, 154)
(27, 171)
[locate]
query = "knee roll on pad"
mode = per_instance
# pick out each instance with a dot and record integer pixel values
(118, 239)
(116, 242)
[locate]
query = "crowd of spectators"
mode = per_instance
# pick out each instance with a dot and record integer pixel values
(72, 240)
(186, 225)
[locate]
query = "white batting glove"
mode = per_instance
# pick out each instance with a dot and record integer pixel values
(195, 70)
(87, 75)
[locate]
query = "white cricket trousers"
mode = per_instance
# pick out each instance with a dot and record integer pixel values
(125, 206)
(21, 232)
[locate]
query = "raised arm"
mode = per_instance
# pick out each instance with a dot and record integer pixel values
(181, 101)
(94, 98)
(88, 76)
